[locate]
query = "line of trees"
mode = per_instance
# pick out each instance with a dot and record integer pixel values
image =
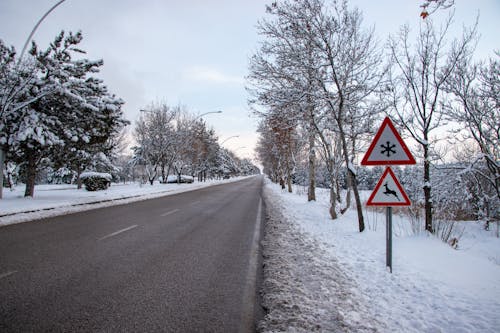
(320, 82)
(57, 120)
(54, 112)
(170, 140)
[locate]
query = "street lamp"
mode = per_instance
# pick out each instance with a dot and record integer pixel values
(234, 136)
(203, 114)
(36, 27)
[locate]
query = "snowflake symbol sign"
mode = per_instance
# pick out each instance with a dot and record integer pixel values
(388, 149)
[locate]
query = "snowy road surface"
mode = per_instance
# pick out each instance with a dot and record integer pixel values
(181, 263)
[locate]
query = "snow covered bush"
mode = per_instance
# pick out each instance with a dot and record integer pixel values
(96, 181)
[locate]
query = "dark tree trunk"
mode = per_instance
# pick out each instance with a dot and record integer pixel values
(2, 154)
(354, 183)
(311, 191)
(288, 174)
(163, 178)
(78, 179)
(333, 201)
(333, 194)
(427, 191)
(30, 175)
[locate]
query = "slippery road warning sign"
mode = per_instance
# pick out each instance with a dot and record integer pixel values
(388, 192)
(387, 148)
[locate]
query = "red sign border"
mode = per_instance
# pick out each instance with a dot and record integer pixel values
(387, 122)
(406, 202)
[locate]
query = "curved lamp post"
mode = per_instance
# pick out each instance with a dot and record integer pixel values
(36, 27)
(234, 136)
(204, 114)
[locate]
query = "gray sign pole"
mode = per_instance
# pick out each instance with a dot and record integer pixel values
(388, 238)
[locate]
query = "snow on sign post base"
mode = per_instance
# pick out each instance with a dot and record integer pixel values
(388, 148)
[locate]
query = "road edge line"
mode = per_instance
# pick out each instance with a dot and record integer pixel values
(250, 293)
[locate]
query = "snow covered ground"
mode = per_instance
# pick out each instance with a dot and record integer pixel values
(52, 200)
(323, 275)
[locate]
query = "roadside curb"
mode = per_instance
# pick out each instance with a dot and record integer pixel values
(73, 205)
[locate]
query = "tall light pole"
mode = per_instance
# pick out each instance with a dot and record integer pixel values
(203, 114)
(2, 152)
(234, 136)
(36, 27)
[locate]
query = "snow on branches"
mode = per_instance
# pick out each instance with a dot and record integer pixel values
(52, 109)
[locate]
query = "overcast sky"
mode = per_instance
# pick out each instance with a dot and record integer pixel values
(195, 52)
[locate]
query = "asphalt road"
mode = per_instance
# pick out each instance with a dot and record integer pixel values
(181, 263)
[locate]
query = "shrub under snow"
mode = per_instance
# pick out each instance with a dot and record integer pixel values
(96, 181)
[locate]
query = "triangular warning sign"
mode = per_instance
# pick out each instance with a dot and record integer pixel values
(387, 147)
(388, 192)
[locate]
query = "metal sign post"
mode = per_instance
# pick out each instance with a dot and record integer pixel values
(388, 148)
(388, 238)
(388, 193)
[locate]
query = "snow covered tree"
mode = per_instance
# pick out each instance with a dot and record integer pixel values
(351, 77)
(282, 75)
(157, 140)
(321, 67)
(58, 106)
(417, 89)
(98, 121)
(17, 78)
(204, 148)
(228, 162)
(268, 153)
(476, 107)
(430, 6)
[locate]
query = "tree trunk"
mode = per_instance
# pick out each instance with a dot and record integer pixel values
(427, 191)
(333, 194)
(348, 195)
(2, 153)
(354, 185)
(30, 176)
(333, 200)
(163, 179)
(349, 183)
(311, 191)
(288, 174)
(359, 206)
(78, 178)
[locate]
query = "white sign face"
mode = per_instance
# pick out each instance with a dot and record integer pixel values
(387, 147)
(388, 192)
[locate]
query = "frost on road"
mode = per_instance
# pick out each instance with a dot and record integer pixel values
(303, 293)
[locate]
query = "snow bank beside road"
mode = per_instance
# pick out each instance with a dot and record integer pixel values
(305, 289)
(53, 200)
(433, 288)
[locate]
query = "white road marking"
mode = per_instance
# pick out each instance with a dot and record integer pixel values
(195, 202)
(170, 212)
(251, 281)
(4, 275)
(119, 232)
